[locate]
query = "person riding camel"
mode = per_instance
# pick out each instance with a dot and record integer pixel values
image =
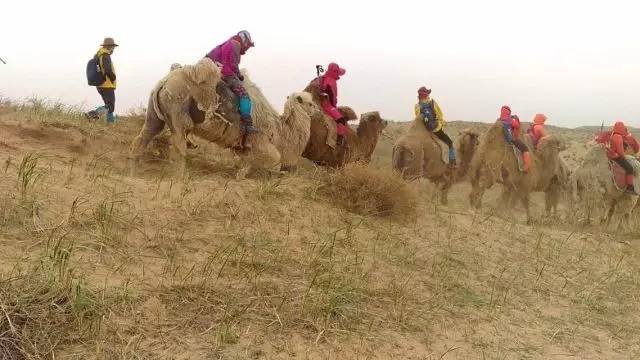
(536, 131)
(429, 111)
(329, 100)
(228, 54)
(511, 127)
(620, 141)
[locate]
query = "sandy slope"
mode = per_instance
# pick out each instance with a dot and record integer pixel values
(215, 267)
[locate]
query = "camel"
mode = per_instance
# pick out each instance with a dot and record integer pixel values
(192, 99)
(496, 162)
(560, 184)
(558, 187)
(418, 153)
(595, 193)
(360, 144)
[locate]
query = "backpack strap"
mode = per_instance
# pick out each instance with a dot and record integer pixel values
(99, 62)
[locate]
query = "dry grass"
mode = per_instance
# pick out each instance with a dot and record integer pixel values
(97, 264)
(367, 191)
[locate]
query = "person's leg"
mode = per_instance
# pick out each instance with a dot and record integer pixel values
(628, 169)
(447, 140)
(341, 131)
(341, 122)
(95, 113)
(109, 97)
(526, 155)
(244, 103)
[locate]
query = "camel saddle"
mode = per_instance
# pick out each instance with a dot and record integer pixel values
(228, 108)
(518, 155)
(620, 176)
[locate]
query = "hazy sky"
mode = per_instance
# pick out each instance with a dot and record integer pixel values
(577, 61)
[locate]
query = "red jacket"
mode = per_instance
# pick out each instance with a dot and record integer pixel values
(620, 139)
(515, 125)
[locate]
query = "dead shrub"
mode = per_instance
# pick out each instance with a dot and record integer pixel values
(368, 191)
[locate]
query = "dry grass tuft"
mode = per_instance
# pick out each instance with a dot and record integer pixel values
(47, 304)
(367, 191)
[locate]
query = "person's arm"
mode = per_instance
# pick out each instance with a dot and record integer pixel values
(439, 114)
(330, 94)
(417, 111)
(107, 67)
(234, 62)
(539, 131)
(633, 143)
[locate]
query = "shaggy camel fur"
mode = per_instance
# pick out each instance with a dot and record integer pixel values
(595, 194)
(418, 153)
(192, 99)
(359, 144)
(495, 162)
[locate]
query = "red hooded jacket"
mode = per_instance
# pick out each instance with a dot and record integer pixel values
(329, 82)
(621, 138)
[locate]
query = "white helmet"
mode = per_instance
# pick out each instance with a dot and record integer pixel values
(246, 38)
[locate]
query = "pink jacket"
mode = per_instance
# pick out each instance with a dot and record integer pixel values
(228, 54)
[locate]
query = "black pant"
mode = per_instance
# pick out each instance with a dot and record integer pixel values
(520, 145)
(444, 137)
(109, 98)
(622, 161)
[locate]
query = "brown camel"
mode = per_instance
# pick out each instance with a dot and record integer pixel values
(418, 153)
(496, 162)
(192, 99)
(595, 194)
(559, 186)
(322, 148)
(360, 143)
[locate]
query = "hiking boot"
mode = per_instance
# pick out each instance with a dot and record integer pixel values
(340, 140)
(247, 126)
(111, 118)
(250, 129)
(92, 115)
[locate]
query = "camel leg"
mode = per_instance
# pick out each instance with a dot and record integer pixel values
(179, 138)
(152, 127)
(525, 202)
(444, 192)
(479, 187)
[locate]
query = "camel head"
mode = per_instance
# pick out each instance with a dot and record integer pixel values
(301, 102)
(467, 147)
(371, 123)
(202, 80)
(369, 131)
